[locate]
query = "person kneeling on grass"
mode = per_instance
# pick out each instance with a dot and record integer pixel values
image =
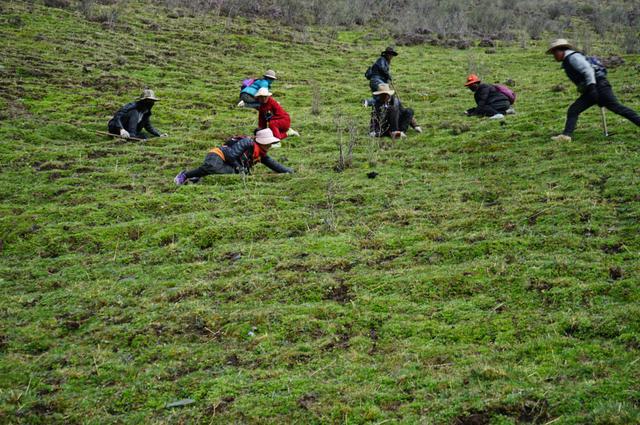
(272, 115)
(389, 117)
(590, 76)
(250, 88)
(489, 100)
(237, 155)
(135, 116)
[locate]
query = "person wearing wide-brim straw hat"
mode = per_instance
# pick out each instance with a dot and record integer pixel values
(389, 117)
(272, 115)
(133, 117)
(380, 72)
(250, 87)
(590, 76)
(237, 155)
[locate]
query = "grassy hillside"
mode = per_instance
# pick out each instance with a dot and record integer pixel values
(487, 275)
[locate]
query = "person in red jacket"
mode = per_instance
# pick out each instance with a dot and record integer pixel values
(272, 115)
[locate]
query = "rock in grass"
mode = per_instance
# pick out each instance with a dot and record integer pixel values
(179, 403)
(372, 175)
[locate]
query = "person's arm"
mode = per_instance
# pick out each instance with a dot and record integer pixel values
(262, 117)
(275, 165)
(393, 114)
(584, 68)
(233, 154)
(482, 94)
(148, 126)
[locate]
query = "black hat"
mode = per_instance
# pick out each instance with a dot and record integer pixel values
(389, 51)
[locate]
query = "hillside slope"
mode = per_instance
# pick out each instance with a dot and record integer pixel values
(487, 275)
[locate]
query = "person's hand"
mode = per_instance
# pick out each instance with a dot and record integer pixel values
(124, 133)
(164, 135)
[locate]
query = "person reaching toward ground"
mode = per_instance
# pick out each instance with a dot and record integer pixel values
(133, 117)
(237, 155)
(272, 115)
(250, 88)
(380, 73)
(590, 77)
(389, 117)
(490, 102)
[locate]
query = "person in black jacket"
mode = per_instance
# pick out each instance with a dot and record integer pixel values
(135, 116)
(490, 102)
(592, 83)
(380, 73)
(237, 155)
(389, 117)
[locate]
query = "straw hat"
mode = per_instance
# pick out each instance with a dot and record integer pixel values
(266, 137)
(263, 92)
(561, 42)
(384, 89)
(471, 80)
(270, 74)
(148, 94)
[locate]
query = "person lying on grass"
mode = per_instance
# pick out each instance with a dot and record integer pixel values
(237, 155)
(591, 79)
(135, 116)
(389, 117)
(489, 100)
(250, 89)
(272, 115)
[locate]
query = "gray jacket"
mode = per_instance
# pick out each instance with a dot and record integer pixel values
(578, 69)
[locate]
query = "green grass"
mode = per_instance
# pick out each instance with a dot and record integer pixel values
(489, 276)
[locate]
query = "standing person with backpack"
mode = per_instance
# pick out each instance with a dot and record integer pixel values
(590, 76)
(379, 73)
(492, 101)
(250, 87)
(237, 155)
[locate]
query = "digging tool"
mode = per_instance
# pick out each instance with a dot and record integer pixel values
(104, 133)
(604, 122)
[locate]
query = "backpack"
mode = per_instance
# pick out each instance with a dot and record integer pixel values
(369, 73)
(509, 94)
(246, 83)
(597, 65)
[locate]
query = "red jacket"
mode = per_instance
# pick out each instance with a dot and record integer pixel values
(277, 113)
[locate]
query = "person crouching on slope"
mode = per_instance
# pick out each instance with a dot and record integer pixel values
(593, 85)
(389, 117)
(249, 91)
(489, 101)
(272, 115)
(237, 155)
(135, 116)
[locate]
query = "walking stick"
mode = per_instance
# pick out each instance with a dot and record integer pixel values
(604, 122)
(104, 133)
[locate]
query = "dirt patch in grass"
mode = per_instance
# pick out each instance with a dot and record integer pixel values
(528, 412)
(341, 294)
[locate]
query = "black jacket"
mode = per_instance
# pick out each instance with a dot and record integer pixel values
(487, 94)
(133, 116)
(385, 117)
(238, 152)
(380, 71)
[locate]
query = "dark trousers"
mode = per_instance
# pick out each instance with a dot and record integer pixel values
(249, 101)
(490, 110)
(606, 98)
(130, 123)
(213, 164)
(406, 116)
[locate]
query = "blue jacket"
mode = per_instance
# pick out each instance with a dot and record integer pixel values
(257, 85)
